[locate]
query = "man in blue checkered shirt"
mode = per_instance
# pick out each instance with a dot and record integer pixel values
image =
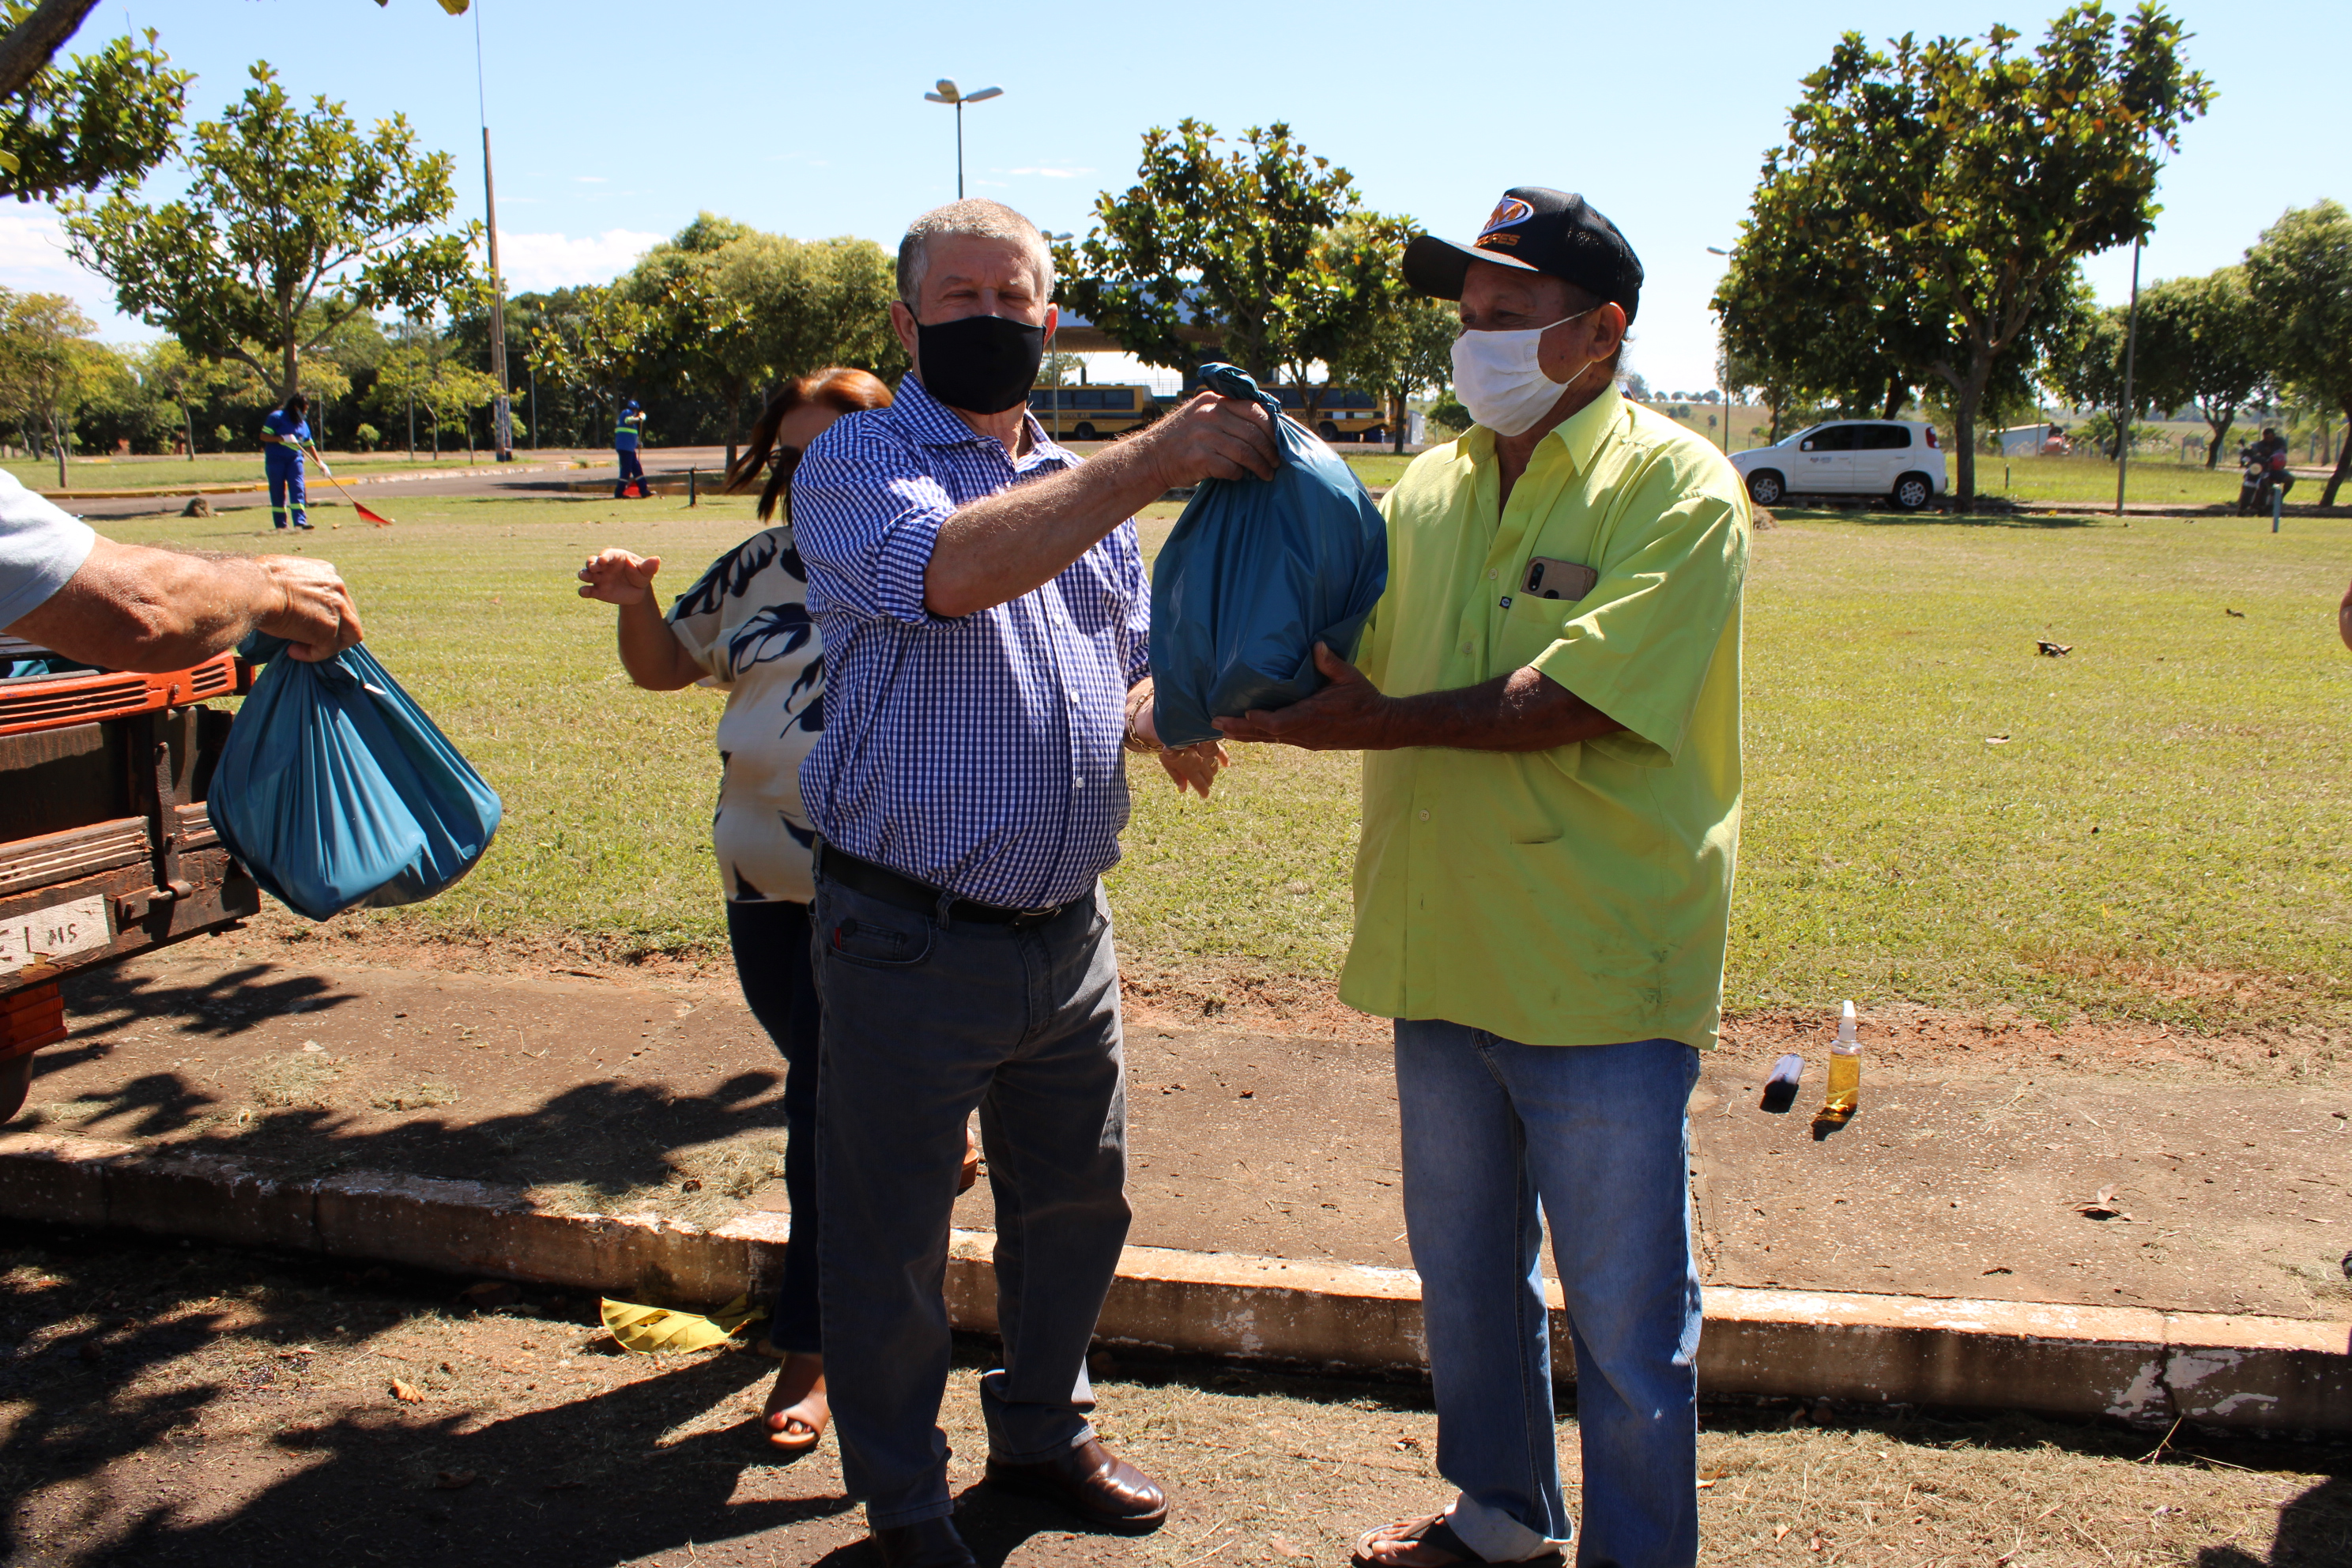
(986, 620)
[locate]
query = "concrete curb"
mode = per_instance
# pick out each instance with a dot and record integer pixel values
(2150, 1368)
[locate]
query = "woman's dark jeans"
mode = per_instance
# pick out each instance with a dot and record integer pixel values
(771, 961)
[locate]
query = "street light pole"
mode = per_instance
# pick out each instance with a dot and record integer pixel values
(2131, 348)
(948, 92)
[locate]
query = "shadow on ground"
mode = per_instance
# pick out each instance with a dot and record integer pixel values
(2026, 519)
(203, 1406)
(604, 1133)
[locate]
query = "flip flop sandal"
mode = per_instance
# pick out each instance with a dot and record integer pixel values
(797, 1437)
(1432, 1531)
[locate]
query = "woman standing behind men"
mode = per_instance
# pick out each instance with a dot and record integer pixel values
(745, 629)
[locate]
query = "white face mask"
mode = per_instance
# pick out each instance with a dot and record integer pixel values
(1499, 377)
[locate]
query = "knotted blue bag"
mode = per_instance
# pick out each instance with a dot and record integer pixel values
(335, 790)
(1256, 573)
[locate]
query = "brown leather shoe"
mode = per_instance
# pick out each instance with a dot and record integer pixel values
(1091, 1482)
(925, 1543)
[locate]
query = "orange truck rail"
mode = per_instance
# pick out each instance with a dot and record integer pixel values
(53, 702)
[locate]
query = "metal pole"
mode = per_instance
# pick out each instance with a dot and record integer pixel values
(534, 368)
(502, 419)
(959, 148)
(2131, 351)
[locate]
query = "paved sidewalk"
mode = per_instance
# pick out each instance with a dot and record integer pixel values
(1974, 1171)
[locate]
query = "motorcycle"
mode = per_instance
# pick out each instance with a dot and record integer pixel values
(2258, 476)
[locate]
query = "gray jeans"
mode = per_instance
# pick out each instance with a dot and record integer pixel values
(923, 1021)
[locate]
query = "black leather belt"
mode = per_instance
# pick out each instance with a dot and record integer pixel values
(862, 875)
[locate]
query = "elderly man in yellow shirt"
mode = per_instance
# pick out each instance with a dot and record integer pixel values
(1547, 699)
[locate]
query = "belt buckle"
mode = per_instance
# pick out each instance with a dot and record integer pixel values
(1035, 917)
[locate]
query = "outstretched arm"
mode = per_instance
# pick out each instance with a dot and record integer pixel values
(130, 607)
(1525, 710)
(650, 650)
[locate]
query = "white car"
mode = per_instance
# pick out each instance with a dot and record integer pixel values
(1897, 459)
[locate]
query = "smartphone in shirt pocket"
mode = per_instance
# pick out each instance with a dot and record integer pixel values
(1550, 578)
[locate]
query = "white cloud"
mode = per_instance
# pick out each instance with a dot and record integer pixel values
(590, 180)
(34, 261)
(533, 261)
(1051, 174)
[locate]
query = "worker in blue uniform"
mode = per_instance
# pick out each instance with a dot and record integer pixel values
(626, 433)
(285, 431)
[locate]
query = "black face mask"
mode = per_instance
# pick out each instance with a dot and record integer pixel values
(981, 365)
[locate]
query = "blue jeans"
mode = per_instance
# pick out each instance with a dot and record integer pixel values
(769, 939)
(630, 469)
(925, 1020)
(1598, 1137)
(286, 484)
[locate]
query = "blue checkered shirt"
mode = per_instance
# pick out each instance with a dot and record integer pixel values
(981, 753)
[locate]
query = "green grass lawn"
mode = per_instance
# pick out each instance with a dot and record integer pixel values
(221, 469)
(2160, 836)
(2092, 481)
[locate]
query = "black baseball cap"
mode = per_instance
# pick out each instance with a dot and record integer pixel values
(1538, 230)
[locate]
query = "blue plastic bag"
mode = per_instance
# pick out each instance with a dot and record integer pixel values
(335, 789)
(1254, 575)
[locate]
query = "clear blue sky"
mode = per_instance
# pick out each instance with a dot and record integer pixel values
(616, 123)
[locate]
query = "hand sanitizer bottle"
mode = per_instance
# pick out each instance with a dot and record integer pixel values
(1845, 1071)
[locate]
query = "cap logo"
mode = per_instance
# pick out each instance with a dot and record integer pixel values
(1510, 210)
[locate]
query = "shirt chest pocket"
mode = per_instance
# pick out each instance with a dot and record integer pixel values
(1530, 626)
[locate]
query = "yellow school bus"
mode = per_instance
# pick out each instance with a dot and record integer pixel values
(1092, 412)
(1341, 412)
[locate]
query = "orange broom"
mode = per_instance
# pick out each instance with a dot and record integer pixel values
(365, 515)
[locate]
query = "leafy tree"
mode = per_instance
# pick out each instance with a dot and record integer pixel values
(2201, 343)
(1399, 353)
(111, 115)
(46, 355)
(2083, 363)
(1939, 197)
(180, 384)
(293, 224)
(2300, 277)
(590, 346)
(728, 310)
(1218, 242)
(424, 369)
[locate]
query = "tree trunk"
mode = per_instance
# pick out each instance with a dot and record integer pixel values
(2221, 427)
(57, 435)
(189, 415)
(1967, 399)
(26, 48)
(2343, 463)
(1897, 394)
(293, 371)
(1396, 424)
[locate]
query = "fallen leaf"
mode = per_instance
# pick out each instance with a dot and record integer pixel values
(651, 1330)
(406, 1393)
(2000, 740)
(2054, 650)
(2000, 1268)
(2103, 1206)
(1779, 1531)
(1814, 1544)
(1282, 1543)
(2240, 614)
(455, 1481)
(1704, 1485)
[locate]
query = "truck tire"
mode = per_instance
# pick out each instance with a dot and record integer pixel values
(1764, 488)
(1912, 492)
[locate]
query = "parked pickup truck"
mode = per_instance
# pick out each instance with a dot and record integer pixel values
(105, 847)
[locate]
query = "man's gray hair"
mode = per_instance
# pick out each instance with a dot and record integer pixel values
(978, 218)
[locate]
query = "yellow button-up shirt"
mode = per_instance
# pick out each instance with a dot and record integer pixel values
(1581, 895)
